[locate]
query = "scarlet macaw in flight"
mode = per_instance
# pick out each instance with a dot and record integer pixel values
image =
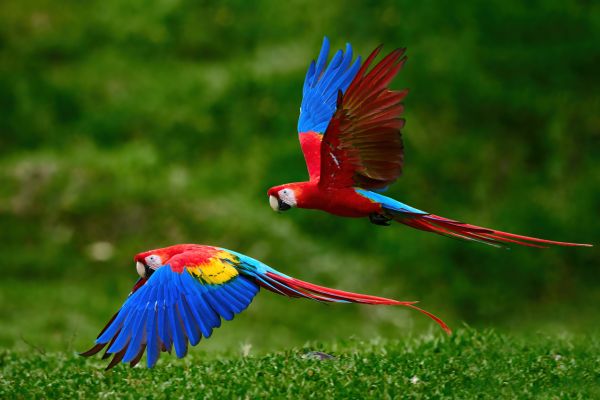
(349, 131)
(185, 290)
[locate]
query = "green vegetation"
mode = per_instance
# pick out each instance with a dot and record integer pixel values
(126, 126)
(466, 365)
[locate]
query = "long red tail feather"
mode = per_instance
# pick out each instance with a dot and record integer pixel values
(451, 228)
(297, 288)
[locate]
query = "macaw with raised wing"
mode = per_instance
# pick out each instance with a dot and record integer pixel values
(185, 290)
(350, 133)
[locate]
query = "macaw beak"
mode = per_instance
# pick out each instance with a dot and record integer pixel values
(278, 205)
(143, 270)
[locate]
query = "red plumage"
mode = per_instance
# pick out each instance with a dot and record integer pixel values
(361, 149)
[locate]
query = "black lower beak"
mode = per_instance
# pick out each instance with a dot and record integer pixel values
(283, 206)
(148, 271)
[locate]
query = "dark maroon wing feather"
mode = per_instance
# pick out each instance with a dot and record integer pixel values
(98, 347)
(362, 145)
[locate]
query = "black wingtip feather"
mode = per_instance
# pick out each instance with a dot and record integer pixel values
(106, 353)
(94, 350)
(117, 358)
(138, 357)
(108, 324)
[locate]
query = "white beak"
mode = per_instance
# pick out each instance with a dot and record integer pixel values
(140, 269)
(274, 203)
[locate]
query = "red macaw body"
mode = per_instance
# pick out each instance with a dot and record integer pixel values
(345, 202)
(185, 290)
(350, 133)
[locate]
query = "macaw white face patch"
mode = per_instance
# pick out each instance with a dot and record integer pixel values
(153, 261)
(288, 197)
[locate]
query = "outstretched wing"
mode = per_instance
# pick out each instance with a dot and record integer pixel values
(362, 145)
(179, 303)
(321, 86)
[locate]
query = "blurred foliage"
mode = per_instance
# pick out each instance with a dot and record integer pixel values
(131, 125)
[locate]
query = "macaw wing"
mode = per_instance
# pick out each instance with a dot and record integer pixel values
(362, 145)
(179, 303)
(319, 93)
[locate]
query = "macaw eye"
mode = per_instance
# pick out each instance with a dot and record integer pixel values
(153, 261)
(288, 197)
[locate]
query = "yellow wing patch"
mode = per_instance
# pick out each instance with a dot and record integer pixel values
(217, 270)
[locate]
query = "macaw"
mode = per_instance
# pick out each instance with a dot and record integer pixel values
(349, 130)
(183, 292)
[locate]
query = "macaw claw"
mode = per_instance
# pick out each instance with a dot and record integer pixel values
(380, 219)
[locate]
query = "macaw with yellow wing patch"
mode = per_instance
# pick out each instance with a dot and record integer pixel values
(185, 290)
(349, 131)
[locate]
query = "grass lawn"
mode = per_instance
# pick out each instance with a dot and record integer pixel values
(469, 364)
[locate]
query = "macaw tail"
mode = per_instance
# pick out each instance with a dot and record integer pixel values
(425, 221)
(460, 230)
(293, 287)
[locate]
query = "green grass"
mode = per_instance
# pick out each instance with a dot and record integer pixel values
(469, 364)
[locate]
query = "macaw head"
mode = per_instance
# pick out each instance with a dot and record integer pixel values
(283, 197)
(149, 261)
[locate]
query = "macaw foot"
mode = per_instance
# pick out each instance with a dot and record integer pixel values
(380, 219)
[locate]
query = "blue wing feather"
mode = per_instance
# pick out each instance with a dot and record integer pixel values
(146, 308)
(173, 309)
(210, 315)
(136, 338)
(173, 320)
(236, 303)
(237, 297)
(124, 334)
(308, 78)
(321, 61)
(218, 303)
(195, 307)
(163, 331)
(178, 338)
(114, 327)
(191, 329)
(330, 73)
(319, 93)
(152, 350)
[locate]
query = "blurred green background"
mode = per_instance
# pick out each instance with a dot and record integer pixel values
(130, 125)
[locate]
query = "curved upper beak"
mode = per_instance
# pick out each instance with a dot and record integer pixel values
(278, 204)
(143, 270)
(139, 267)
